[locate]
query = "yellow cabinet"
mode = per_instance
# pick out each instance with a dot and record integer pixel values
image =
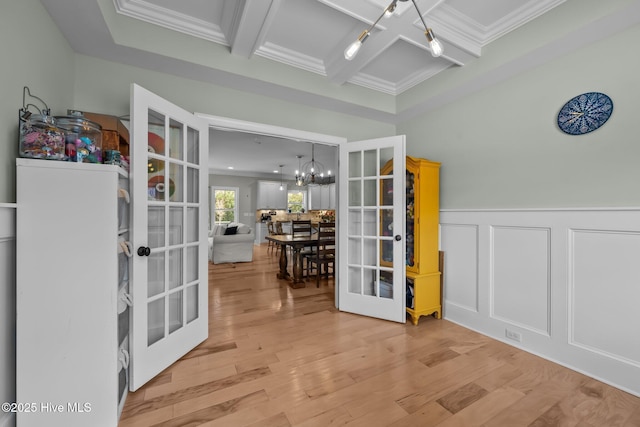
(422, 260)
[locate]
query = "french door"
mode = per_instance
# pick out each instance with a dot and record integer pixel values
(169, 179)
(372, 230)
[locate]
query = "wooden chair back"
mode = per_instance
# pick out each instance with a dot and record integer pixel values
(327, 231)
(301, 228)
(325, 252)
(279, 230)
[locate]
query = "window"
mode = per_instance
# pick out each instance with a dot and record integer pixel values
(224, 205)
(296, 201)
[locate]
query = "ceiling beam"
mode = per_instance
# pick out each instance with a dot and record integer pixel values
(246, 22)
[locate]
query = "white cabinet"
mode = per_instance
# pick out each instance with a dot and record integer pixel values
(269, 195)
(72, 266)
(322, 197)
(261, 232)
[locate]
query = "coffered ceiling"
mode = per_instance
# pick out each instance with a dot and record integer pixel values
(292, 50)
(312, 34)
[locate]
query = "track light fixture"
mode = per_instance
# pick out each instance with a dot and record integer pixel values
(434, 44)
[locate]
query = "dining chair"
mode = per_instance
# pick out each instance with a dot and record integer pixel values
(302, 228)
(271, 229)
(279, 229)
(324, 255)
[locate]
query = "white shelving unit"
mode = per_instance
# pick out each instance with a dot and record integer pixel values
(72, 276)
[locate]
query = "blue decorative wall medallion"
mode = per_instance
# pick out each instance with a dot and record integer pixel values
(585, 113)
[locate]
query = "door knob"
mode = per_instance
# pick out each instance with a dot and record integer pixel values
(398, 237)
(144, 251)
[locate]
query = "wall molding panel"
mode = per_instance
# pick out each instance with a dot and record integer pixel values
(560, 283)
(520, 280)
(604, 296)
(8, 309)
(462, 247)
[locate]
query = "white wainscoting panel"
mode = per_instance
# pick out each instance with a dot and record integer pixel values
(520, 285)
(7, 310)
(461, 248)
(605, 293)
(560, 283)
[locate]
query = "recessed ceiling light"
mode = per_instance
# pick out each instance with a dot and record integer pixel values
(229, 167)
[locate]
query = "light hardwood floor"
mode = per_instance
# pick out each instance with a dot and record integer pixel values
(278, 356)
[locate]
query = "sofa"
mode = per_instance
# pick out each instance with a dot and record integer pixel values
(231, 243)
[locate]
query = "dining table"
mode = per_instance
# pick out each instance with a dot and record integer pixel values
(297, 243)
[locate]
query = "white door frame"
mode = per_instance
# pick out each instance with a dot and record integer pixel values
(295, 135)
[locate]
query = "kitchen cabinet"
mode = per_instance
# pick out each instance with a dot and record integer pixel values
(322, 197)
(422, 223)
(72, 295)
(261, 232)
(270, 196)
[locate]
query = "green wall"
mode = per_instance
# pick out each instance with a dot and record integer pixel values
(35, 54)
(111, 95)
(501, 147)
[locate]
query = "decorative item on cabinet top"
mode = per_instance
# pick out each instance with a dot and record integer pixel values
(40, 136)
(77, 137)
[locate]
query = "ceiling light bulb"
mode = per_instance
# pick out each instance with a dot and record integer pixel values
(436, 48)
(434, 43)
(352, 50)
(390, 9)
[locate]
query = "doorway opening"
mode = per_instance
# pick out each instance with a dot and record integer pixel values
(293, 136)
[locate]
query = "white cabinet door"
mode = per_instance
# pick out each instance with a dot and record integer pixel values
(372, 217)
(315, 197)
(332, 196)
(261, 232)
(270, 196)
(169, 176)
(322, 197)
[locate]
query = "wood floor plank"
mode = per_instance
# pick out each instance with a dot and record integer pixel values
(533, 405)
(429, 415)
(280, 357)
(482, 410)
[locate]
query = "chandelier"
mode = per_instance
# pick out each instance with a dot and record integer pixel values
(312, 172)
(434, 44)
